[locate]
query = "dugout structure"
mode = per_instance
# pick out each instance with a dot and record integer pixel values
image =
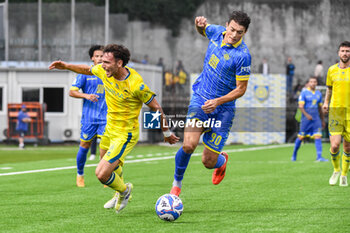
(35, 127)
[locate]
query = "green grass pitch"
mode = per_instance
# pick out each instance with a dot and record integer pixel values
(263, 191)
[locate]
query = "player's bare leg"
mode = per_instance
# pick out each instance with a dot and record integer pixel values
(191, 139)
(105, 172)
(335, 144)
(102, 153)
(211, 159)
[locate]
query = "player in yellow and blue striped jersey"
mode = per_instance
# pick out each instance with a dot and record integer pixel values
(337, 103)
(125, 94)
(312, 120)
(224, 79)
(93, 119)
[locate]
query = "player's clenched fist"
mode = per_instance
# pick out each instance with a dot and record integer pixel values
(201, 21)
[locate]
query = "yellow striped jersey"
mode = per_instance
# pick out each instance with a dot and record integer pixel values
(124, 98)
(339, 80)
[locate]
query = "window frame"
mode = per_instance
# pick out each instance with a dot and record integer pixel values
(4, 99)
(41, 96)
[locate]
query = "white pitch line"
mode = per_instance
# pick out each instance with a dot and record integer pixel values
(145, 160)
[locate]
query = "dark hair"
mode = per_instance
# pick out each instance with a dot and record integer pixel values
(94, 48)
(319, 62)
(241, 18)
(119, 52)
(312, 77)
(344, 44)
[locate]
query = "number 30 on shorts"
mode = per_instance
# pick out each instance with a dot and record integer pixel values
(216, 139)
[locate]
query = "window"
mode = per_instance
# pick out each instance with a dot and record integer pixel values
(53, 98)
(30, 94)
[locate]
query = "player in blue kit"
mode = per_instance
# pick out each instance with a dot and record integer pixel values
(224, 79)
(93, 120)
(22, 125)
(312, 120)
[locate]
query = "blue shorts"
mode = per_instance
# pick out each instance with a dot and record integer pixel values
(310, 128)
(217, 124)
(21, 133)
(88, 131)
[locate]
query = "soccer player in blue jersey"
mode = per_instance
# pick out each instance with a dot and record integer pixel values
(22, 125)
(93, 120)
(224, 79)
(312, 120)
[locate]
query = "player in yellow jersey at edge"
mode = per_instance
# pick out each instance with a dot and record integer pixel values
(125, 93)
(337, 104)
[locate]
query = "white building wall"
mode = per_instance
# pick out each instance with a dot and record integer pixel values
(14, 79)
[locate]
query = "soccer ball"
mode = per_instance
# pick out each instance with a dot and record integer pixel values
(169, 207)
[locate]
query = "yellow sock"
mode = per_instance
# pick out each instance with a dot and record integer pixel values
(116, 183)
(345, 164)
(119, 171)
(336, 161)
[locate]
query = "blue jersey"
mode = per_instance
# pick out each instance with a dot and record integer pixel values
(93, 112)
(223, 65)
(21, 125)
(311, 101)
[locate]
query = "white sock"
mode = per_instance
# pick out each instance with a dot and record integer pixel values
(177, 183)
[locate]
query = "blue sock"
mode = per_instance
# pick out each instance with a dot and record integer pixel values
(181, 163)
(221, 161)
(318, 145)
(81, 159)
(296, 148)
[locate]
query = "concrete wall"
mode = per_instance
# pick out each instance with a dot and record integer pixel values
(306, 30)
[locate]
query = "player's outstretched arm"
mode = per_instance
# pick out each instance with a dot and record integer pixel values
(61, 65)
(210, 105)
(201, 23)
(169, 137)
(79, 95)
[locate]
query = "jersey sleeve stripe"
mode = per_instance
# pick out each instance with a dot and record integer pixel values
(149, 101)
(205, 29)
(74, 88)
(242, 77)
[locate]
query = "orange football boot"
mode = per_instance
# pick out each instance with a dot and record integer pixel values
(80, 181)
(219, 173)
(175, 191)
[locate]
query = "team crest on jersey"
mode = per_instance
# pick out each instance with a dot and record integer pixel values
(85, 136)
(261, 92)
(142, 87)
(190, 115)
(226, 56)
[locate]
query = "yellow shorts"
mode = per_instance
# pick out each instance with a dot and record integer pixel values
(118, 145)
(338, 124)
